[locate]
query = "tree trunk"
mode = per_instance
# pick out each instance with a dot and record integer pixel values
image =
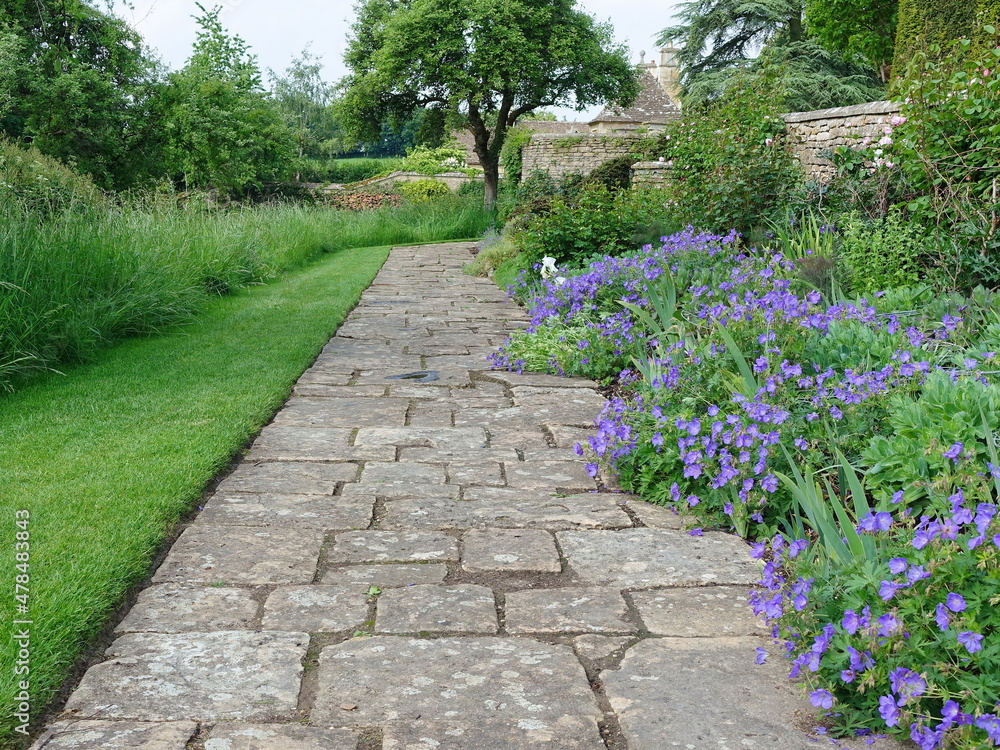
(491, 178)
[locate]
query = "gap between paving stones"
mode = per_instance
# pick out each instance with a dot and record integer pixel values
(404, 565)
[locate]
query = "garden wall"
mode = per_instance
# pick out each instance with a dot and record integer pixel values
(824, 129)
(650, 174)
(560, 155)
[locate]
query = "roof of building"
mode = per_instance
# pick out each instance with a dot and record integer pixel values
(652, 106)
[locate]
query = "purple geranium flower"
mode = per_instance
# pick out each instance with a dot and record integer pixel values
(973, 642)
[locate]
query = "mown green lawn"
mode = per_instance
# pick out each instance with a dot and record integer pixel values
(107, 457)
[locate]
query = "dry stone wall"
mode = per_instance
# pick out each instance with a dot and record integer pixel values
(560, 155)
(812, 133)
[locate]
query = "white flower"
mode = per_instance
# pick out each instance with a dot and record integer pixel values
(549, 267)
(885, 141)
(768, 141)
(877, 152)
(560, 280)
(662, 159)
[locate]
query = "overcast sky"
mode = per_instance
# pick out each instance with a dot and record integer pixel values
(278, 30)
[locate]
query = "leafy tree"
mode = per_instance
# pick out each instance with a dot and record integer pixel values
(860, 27)
(486, 63)
(304, 98)
(722, 37)
(220, 128)
(79, 84)
(924, 23)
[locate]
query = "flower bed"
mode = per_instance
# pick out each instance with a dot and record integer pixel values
(852, 440)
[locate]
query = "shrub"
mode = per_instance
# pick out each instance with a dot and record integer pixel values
(730, 166)
(423, 190)
(434, 160)
(510, 154)
(614, 174)
(42, 185)
(882, 253)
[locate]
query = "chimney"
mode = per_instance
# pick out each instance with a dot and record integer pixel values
(670, 73)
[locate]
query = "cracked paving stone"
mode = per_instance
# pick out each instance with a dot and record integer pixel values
(386, 576)
(400, 491)
(116, 735)
(647, 558)
(342, 412)
(242, 555)
(385, 546)
(463, 608)
(376, 473)
(498, 550)
(234, 736)
(462, 440)
(570, 475)
(315, 609)
(393, 679)
(288, 478)
(655, 516)
(298, 511)
(598, 647)
(568, 610)
(171, 608)
(698, 612)
(313, 444)
(569, 437)
(515, 509)
(708, 694)
(195, 676)
(525, 734)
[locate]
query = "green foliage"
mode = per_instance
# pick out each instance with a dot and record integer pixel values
(39, 185)
(881, 253)
(946, 153)
(932, 26)
(597, 222)
(431, 161)
(730, 165)
(78, 84)
(510, 154)
(219, 128)
(424, 190)
(485, 64)
(614, 174)
(346, 171)
(856, 27)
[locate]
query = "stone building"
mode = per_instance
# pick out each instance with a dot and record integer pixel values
(651, 111)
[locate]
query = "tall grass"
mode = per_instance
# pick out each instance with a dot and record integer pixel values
(77, 281)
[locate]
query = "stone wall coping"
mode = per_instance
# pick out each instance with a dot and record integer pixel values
(650, 165)
(870, 108)
(581, 137)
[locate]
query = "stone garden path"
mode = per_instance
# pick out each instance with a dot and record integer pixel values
(422, 563)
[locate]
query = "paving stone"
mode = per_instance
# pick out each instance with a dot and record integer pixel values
(385, 546)
(172, 608)
(342, 412)
(313, 390)
(568, 437)
(277, 443)
(655, 516)
(400, 473)
(436, 456)
(646, 558)
(568, 610)
(195, 676)
(289, 478)
(498, 550)
(386, 576)
(514, 509)
(571, 475)
(400, 491)
(315, 609)
(116, 735)
(393, 679)
(698, 612)
(456, 440)
(319, 376)
(707, 694)
(482, 473)
(596, 648)
(496, 421)
(297, 511)
(423, 391)
(463, 608)
(519, 438)
(232, 736)
(242, 555)
(576, 407)
(565, 734)
(530, 379)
